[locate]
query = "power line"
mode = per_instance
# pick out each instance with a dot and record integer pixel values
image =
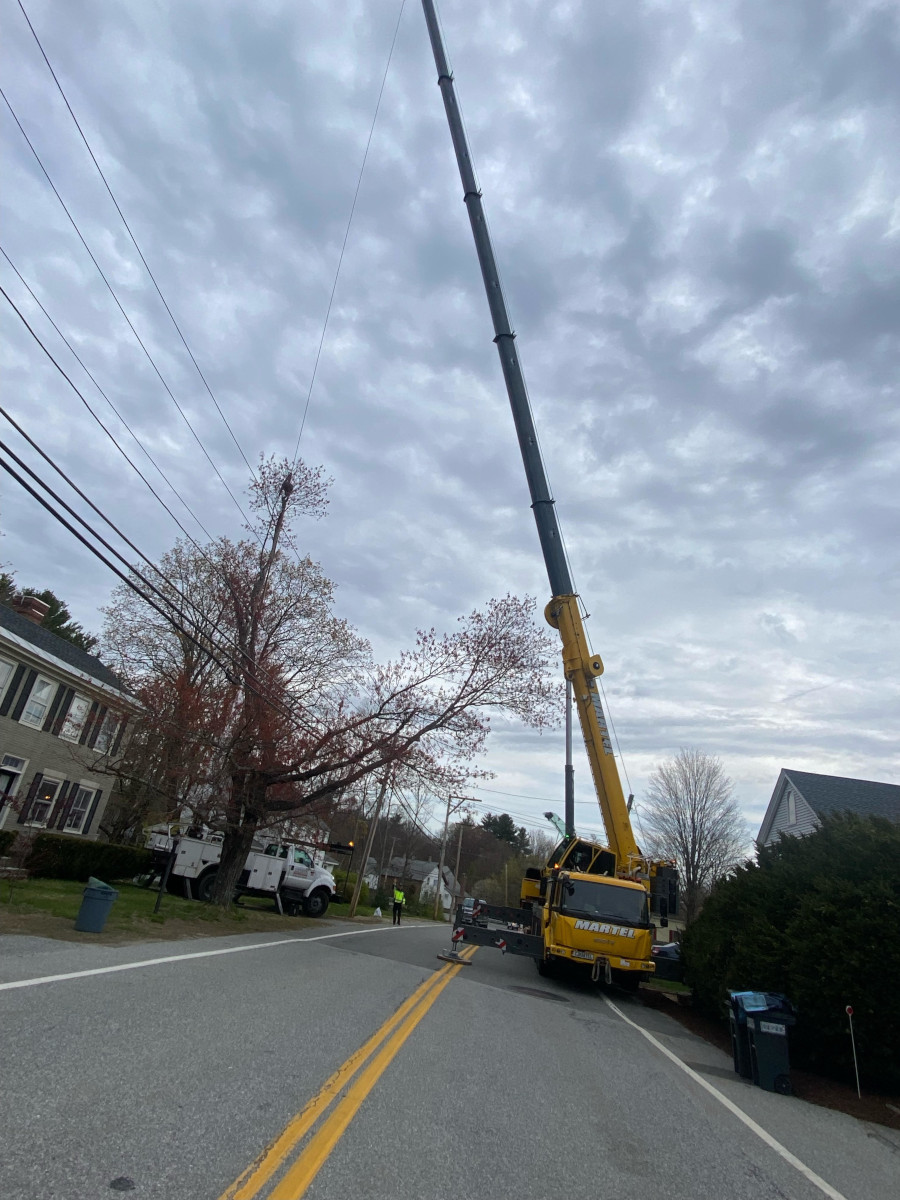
(102, 515)
(206, 645)
(93, 380)
(133, 238)
(347, 232)
(118, 303)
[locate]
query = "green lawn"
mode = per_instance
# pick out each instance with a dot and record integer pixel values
(48, 907)
(667, 985)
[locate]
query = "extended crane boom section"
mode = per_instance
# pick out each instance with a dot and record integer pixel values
(582, 668)
(538, 487)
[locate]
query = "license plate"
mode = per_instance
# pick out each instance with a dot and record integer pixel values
(583, 954)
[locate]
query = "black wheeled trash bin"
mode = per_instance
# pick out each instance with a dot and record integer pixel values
(97, 900)
(767, 1030)
(739, 1004)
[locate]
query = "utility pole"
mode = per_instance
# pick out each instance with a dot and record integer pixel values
(569, 811)
(370, 841)
(456, 869)
(440, 877)
(450, 809)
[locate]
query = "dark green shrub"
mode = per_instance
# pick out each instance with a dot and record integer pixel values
(814, 919)
(54, 856)
(7, 837)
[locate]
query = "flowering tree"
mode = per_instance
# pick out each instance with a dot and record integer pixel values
(274, 705)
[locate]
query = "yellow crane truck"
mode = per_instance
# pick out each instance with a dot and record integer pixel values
(590, 905)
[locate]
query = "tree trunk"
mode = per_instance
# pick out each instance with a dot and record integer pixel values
(247, 790)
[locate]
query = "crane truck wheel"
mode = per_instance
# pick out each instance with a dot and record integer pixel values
(628, 981)
(316, 904)
(546, 966)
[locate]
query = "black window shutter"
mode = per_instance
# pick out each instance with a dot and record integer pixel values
(89, 724)
(118, 742)
(32, 792)
(60, 710)
(54, 708)
(23, 695)
(12, 689)
(98, 725)
(86, 828)
(60, 801)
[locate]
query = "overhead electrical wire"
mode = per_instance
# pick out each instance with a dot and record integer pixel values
(347, 233)
(107, 431)
(130, 579)
(133, 238)
(119, 305)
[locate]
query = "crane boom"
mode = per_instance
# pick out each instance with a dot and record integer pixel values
(580, 665)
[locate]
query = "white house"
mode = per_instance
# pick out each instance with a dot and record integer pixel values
(449, 890)
(802, 798)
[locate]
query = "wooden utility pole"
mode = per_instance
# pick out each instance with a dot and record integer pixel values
(440, 878)
(370, 840)
(456, 869)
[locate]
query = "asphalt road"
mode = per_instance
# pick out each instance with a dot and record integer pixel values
(350, 1062)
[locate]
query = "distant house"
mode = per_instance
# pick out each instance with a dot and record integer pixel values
(450, 891)
(410, 872)
(63, 714)
(801, 799)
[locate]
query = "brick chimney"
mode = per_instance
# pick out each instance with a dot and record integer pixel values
(30, 607)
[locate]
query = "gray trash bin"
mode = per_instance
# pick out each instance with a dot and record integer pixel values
(767, 1031)
(97, 900)
(739, 1004)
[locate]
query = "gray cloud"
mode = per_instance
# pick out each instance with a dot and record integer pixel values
(695, 212)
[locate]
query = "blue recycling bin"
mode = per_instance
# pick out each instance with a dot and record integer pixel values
(97, 900)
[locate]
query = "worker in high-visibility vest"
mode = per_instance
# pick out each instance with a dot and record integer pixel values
(399, 901)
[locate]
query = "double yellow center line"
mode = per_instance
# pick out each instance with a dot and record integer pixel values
(369, 1062)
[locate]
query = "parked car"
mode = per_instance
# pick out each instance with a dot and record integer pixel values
(473, 911)
(667, 957)
(667, 950)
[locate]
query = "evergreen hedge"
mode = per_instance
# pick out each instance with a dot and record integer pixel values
(7, 837)
(818, 919)
(54, 856)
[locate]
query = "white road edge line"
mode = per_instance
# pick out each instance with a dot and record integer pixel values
(155, 962)
(804, 1170)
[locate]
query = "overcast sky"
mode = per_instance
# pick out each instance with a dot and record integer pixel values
(695, 210)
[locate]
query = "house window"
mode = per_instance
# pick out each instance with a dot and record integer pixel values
(38, 703)
(107, 734)
(792, 809)
(11, 771)
(6, 670)
(75, 719)
(42, 804)
(79, 809)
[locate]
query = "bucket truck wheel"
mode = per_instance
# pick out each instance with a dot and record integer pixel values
(316, 903)
(204, 887)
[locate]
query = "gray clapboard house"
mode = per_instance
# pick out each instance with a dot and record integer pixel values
(63, 716)
(801, 799)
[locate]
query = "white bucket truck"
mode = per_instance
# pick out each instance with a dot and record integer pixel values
(283, 870)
